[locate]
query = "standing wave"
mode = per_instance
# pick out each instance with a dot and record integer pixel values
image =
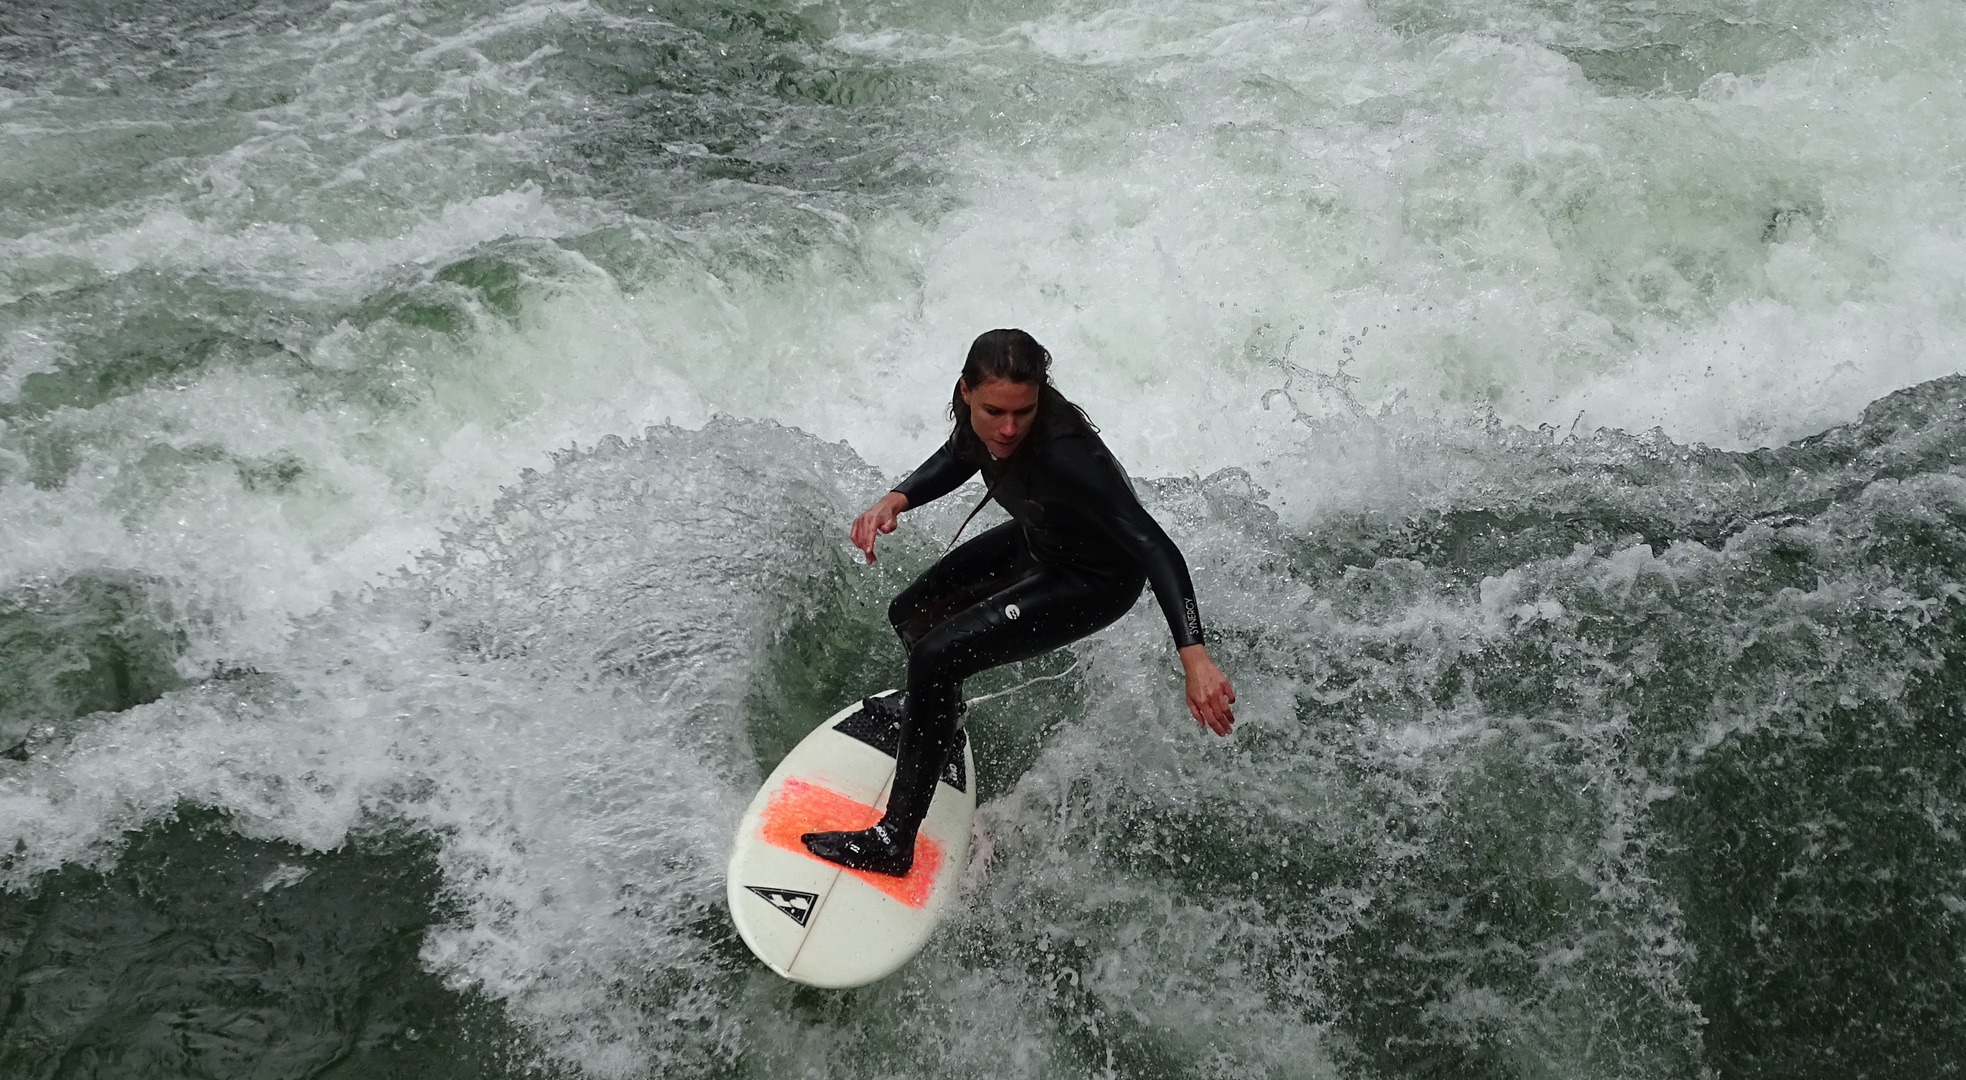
(1610, 758)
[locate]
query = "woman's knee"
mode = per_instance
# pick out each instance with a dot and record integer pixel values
(908, 619)
(939, 657)
(926, 666)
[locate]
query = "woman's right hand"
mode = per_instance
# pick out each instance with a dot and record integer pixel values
(878, 519)
(1209, 693)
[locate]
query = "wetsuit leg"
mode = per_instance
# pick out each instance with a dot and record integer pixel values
(985, 564)
(989, 563)
(1034, 614)
(1048, 608)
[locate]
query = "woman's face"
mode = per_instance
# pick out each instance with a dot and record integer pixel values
(1001, 412)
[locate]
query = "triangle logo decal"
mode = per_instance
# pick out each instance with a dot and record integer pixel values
(792, 902)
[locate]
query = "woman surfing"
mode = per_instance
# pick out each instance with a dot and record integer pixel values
(1073, 558)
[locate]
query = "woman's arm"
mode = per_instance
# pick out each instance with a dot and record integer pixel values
(878, 519)
(1105, 497)
(942, 473)
(1101, 494)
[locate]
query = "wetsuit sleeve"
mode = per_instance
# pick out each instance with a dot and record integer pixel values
(1104, 497)
(942, 473)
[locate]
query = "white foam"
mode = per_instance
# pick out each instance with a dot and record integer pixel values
(1515, 238)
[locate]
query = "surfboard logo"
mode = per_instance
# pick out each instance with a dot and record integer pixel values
(790, 901)
(1010, 611)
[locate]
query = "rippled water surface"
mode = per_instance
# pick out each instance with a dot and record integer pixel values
(427, 434)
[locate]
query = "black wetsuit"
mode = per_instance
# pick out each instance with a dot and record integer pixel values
(1073, 559)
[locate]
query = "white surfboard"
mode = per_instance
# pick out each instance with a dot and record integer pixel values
(820, 923)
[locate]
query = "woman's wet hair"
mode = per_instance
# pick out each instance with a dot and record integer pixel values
(1014, 356)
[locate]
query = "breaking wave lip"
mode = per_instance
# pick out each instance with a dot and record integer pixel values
(600, 625)
(1495, 721)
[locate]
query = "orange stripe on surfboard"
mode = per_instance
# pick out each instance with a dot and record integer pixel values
(801, 807)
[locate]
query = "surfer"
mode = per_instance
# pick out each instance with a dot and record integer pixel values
(1073, 558)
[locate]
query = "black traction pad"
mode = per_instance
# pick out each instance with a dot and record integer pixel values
(886, 737)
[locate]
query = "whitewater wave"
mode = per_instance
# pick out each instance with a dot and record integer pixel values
(1511, 762)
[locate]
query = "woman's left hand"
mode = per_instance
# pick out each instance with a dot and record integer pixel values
(1209, 692)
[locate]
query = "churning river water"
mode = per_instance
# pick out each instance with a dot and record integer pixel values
(428, 430)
